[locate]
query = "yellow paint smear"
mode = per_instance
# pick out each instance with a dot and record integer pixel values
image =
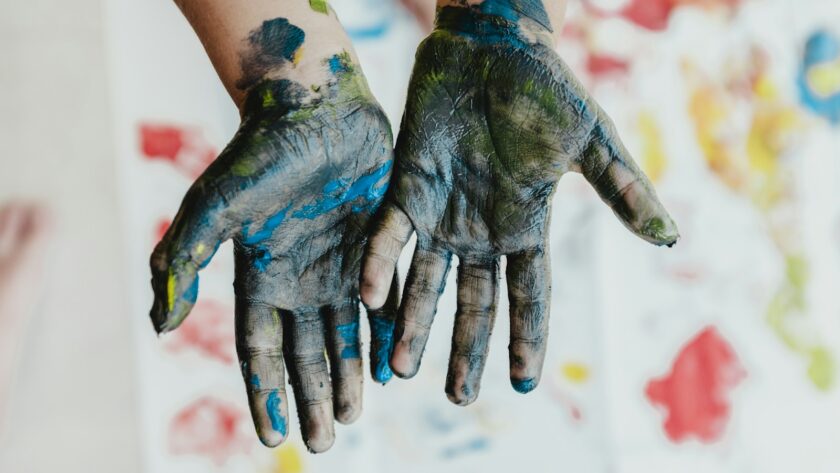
(577, 373)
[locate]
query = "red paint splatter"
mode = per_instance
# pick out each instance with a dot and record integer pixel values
(185, 148)
(208, 331)
(161, 228)
(211, 428)
(600, 66)
(695, 392)
(655, 14)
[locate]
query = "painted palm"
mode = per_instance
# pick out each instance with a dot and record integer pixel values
(494, 118)
(294, 189)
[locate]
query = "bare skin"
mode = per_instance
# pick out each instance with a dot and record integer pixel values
(494, 118)
(294, 189)
(24, 230)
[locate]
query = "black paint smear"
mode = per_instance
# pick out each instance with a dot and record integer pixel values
(270, 46)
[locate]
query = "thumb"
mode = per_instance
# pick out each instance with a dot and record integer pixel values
(188, 246)
(610, 169)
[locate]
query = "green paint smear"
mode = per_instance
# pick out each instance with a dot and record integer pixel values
(789, 303)
(319, 6)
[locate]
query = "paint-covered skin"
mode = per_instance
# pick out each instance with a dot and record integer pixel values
(294, 190)
(494, 118)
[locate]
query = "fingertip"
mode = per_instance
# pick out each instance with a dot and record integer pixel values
(373, 292)
(402, 363)
(524, 386)
(320, 440)
(347, 413)
(661, 231)
(271, 438)
(462, 395)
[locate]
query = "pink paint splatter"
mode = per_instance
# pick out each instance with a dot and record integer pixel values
(695, 393)
(211, 428)
(161, 228)
(655, 14)
(183, 147)
(208, 331)
(601, 66)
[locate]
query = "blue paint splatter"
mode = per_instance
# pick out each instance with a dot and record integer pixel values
(191, 295)
(263, 258)
(375, 31)
(476, 445)
(349, 334)
(272, 405)
(822, 47)
(268, 227)
(382, 332)
(339, 193)
(255, 381)
(523, 386)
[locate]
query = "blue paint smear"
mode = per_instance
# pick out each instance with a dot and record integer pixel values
(821, 47)
(206, 261)
(382, 332)
(255, 381)
(272, 405)
(268, 227)
(349, 334)
(371, 32)
(339, 193)
(523, 386)
(191, 295)
(476, 445)
(263, 259)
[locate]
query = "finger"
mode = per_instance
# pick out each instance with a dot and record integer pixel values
(303, 345)
(259, 343)
(191, 241)
(610, 169)
(382, 334)
(390, 234)
(478, 284)
(344, 350)
(529, 293)
(423, 286)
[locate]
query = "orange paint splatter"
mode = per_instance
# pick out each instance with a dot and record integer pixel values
(211, 428)
(185, 148)
(695, 393)
(208, 331)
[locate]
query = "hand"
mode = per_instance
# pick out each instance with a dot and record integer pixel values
(494, 118)
(294, 190)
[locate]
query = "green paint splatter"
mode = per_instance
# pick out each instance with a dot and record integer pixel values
(319, 6)
(786, 309)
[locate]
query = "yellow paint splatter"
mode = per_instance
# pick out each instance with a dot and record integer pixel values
(576, 372)
(298, 56)
(654, 161)
(288, 459)
(268, 99)
(824, 79)
(785, 315)
(170, 290)
(752, 164)
(199, 249)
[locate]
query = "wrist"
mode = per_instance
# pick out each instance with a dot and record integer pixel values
(535, 21)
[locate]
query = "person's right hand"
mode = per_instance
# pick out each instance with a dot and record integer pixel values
(294, 189)
(494, 118)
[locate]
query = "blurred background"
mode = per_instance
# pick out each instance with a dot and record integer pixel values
(720, 354)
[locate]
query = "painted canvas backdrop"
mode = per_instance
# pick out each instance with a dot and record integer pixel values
(717, 355)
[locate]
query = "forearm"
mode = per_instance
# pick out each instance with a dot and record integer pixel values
(267, 40)
(538, 16)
